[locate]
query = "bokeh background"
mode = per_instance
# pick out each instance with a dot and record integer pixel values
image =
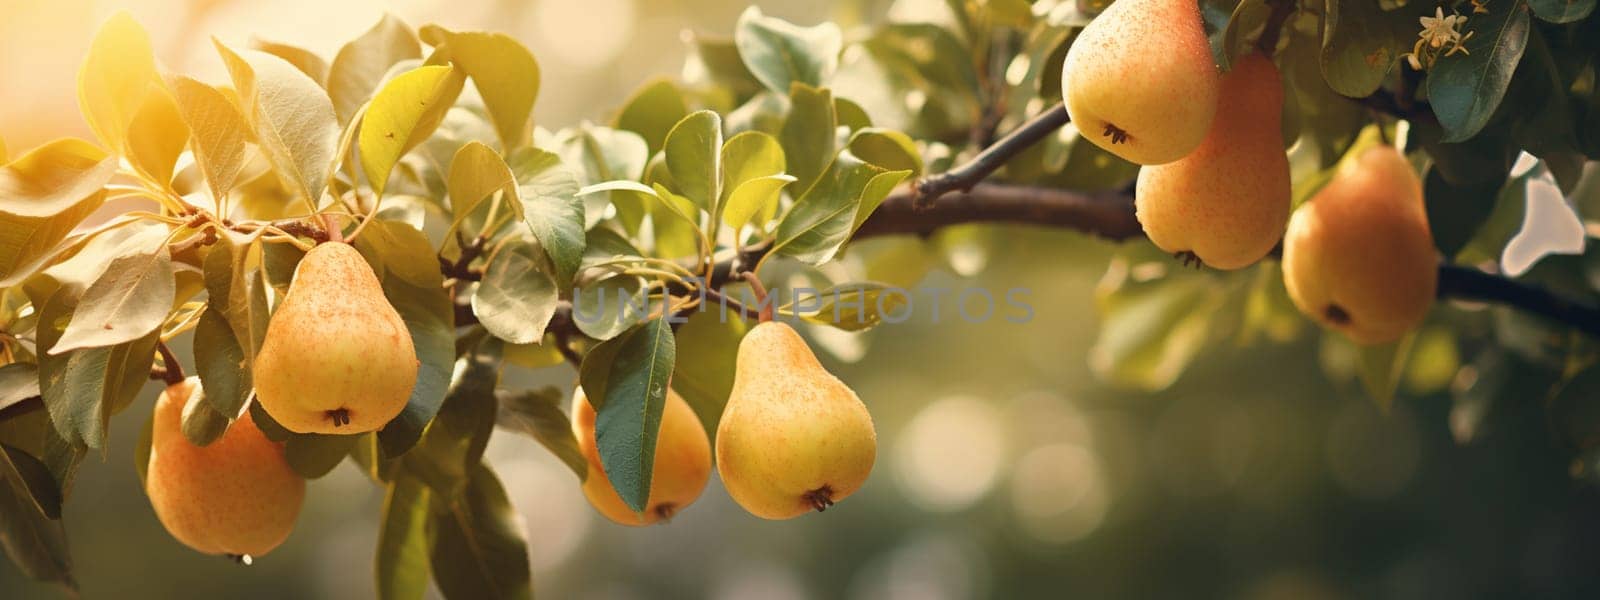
(1005, 469)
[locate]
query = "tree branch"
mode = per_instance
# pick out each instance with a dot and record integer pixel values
(962, 178)
(1104, 214)
(1466, 283)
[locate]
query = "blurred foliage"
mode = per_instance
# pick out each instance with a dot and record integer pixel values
(789, 137)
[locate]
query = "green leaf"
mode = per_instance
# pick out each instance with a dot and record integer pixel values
(1151, 330)
(477, 172)
(292, 117)
(44, 194)
(37, 544)
(808, 134)
(886, 148)
(129, 300)
(313, 65)
(709, 343)
(455, 441)
(1465, 89)
(551, 208)
(1357, 47)
(237, 291)
(269, 427)
(755, 199)
(851, 306)
(403, 114)
(515, 300)
(1561, 11)
(430, 318)
(715, 61)
(83, 388)
(693, 155)
(157, 135)
(600, 154)
(780, 53)
(652, 111)
(28, 475)
(313, 455)
(220, 363)
(825, 217)
(503, 71)
(753, 161)
(478, 549)
(18, 381)
(403, 570)
(115, 78)
(1457, 212)
(602, 309)
(1231, 39)
(220, 133)
(201, 423)
(405, 252)
(537, 414)
(361, 64)
(1382, 367)
(629, 416)
(141, 451)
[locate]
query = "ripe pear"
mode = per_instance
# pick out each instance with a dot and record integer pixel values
(236, 496)
(793, 438)
(337, 358)
(1227, 202)
(1358, 257)
(1140, 82)
(681, 468)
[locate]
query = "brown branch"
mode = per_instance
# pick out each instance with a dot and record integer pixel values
(460, 269)
(962, 178)
(1104, 214)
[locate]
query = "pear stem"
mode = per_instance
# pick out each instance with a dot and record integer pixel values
(331, 224)
(1281, 11)
(761, 295)
(171, 369)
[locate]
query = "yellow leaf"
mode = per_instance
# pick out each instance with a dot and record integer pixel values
(114, 79)
(503, 71)
(157, 136)
(360, 65)
(291, 116)
(475, 173)
(403, 114)
(220, 134)
(44, 194)
(53, 177)
(307, 61)
(4, 158)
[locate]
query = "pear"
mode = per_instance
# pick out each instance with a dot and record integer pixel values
(336, 358)
(681, 468)
(1140, 82)
(1227, 202)
(1358, 257)
(236, 496)
(793, 438)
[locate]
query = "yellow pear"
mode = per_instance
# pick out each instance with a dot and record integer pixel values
(793, 438)
(681, 468)
(337, 358)
(1358, 257)
(1227, 202)
(1140, 81)
(236, 496)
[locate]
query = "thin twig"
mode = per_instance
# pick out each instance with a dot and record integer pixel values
(962, 178)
